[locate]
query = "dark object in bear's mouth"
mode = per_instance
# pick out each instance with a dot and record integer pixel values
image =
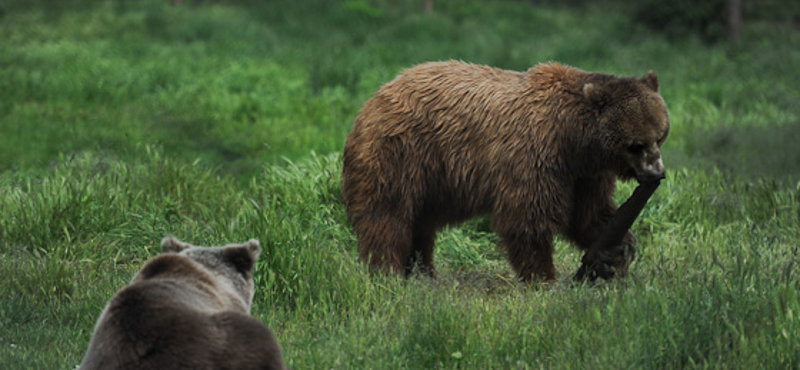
(608, 256)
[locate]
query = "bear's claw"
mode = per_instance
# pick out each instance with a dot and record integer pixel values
(606, 263)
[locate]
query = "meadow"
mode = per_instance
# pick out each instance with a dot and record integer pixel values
(219, 121)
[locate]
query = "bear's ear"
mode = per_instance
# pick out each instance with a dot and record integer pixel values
(594, 95)
(254, 248)
(173, 245)
(650, 80)
(243, 257)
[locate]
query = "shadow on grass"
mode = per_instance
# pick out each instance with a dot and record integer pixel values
(748, 152)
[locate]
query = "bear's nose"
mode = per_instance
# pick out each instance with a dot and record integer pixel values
(652, 170)
(651, 177)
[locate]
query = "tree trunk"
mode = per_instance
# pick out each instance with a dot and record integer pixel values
(734, 19)
(428, 7)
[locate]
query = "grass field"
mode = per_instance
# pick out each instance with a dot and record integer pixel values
(123, 121)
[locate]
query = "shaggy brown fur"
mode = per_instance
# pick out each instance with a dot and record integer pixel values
(186, 309)
(539, 151)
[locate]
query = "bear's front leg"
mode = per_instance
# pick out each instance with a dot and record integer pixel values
(606, 263)
(526, 223)
(591, 213)
(611, 247)
(530, 254)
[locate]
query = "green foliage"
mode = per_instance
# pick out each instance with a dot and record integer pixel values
(774, 10)
(122, 122)
(715, 282)
(682, 18)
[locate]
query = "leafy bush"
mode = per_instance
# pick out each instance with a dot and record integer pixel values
(683, 18)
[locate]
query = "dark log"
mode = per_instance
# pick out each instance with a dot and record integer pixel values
(606, 249)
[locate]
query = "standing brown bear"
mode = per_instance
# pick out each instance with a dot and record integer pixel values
(538, 151)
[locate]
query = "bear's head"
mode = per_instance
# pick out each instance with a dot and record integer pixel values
(633, 121)
(232, 264)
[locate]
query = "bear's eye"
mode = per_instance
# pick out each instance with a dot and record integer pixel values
(662, 140)
(636, 148)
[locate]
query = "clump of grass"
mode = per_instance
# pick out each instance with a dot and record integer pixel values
(95, 198)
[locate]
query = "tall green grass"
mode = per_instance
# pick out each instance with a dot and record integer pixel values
(246, 84)
(122, 122)
(715, 285)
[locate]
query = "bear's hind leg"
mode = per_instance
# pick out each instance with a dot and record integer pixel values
(422, 257)
(385, 242)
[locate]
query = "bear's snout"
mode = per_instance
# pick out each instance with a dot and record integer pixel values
(652, 169)
(651, 177)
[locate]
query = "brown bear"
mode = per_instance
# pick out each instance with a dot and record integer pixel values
(188, 308)
(538, 151)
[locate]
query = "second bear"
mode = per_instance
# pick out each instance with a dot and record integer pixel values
(538, 151)
(188, 308)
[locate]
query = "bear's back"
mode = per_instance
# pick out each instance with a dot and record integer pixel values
(447, 93)
(157, 321)
(179, 314)
(139, 331)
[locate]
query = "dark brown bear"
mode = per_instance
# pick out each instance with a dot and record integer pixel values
(186, 309)
(538, 151)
